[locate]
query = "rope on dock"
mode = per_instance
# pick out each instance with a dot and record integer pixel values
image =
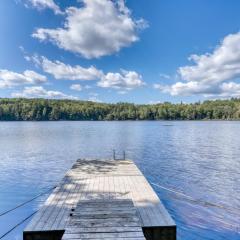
(17, 225)
(26, 202)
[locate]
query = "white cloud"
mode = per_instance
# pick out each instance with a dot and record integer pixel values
(98, 28)
(223, 64)
(186, 89)
(87, 87)
(212, 73)
(230, 89)
(124, 80)
(76, 87)
(93, 97)
(122, 92)
(43, 4)
(165, 76)
(40, 92)
(10, 79)
(154, 102)
(61, 70)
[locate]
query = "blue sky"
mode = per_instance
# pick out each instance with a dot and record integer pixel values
(133, 51)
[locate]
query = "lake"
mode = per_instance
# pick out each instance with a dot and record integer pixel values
(199, 159)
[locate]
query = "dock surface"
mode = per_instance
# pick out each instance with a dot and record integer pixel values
(102, 199)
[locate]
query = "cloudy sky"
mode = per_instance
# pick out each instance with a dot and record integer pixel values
(142, 51)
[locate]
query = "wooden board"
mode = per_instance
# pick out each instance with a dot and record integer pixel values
(94, 180)
(90, 221)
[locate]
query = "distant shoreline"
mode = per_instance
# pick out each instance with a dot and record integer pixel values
(160, 120)
(21, 109)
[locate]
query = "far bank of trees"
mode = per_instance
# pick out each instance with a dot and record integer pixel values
(12, 109)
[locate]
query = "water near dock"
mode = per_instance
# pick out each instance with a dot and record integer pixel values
(200, 159)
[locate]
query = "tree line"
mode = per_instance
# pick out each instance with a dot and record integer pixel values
(20, 109)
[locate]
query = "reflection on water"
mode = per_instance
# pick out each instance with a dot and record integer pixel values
(200, 159)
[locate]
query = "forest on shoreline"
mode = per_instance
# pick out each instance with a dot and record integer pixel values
(21, 109)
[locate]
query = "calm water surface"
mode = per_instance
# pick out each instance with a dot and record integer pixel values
(200, 159)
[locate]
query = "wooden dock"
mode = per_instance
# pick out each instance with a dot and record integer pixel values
(102, 199)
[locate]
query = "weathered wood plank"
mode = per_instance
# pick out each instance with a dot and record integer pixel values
(111, 229)
(104, 210)
(102, 235)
